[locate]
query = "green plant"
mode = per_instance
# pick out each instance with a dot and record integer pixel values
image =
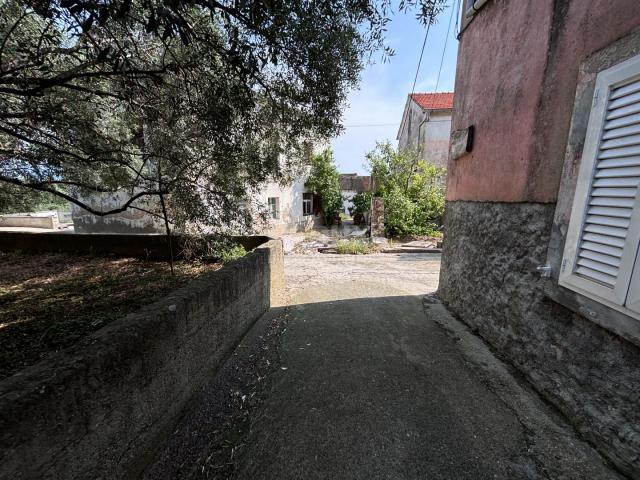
(196, 101)
(324, 180)
(361, 203)
(231, 253)
(353, 246)
(221, 249)
(412, 188)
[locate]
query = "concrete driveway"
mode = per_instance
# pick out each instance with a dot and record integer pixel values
(372, 379)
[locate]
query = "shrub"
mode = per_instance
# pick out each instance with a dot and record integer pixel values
(361, 203)
(222, 249)
(412, 189)
(324, 180)
(354, 246)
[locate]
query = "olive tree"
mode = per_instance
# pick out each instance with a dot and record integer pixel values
(198, 100)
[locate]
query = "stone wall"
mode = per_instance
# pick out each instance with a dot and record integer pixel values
(49, 221)
(98, 410)
(488, 278)
(377, 217)
(129, 221)
(149, 246)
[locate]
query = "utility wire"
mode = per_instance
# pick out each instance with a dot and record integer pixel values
(426, 35)
(385, 124)
(446, 39)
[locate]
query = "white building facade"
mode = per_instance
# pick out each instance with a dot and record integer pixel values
(291, 208)
(426, 125)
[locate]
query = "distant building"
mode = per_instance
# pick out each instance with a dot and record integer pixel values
(291, 208)
(426, 125)
(350, 185)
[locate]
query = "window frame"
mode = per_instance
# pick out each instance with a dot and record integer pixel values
(615, 320)
(606, 80)
(307, 199)
(274, 213)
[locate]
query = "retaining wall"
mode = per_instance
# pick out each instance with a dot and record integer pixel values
(152, 246)
(31, 221)
(98, 409)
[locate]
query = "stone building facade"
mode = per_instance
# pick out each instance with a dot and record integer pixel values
(290, 208)
(544, 86)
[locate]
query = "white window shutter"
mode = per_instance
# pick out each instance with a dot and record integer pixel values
(604, 230)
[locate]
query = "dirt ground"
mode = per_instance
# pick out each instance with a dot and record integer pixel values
(50, 301)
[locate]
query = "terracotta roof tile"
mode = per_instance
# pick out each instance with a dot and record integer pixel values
(433, 101)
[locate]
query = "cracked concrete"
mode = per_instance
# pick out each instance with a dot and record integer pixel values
(376, 380)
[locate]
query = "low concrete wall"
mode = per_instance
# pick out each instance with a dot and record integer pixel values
(489, 278)
(31, 221)
(152, 246)
(98, 409)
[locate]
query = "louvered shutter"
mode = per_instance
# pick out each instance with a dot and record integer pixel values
(604, 230)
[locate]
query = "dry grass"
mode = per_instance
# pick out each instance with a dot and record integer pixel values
(50, 301)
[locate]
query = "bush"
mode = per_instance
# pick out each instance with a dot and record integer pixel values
(353, 246)
(324, 180)
(204, 249)
(361, 203)
(404, 216)
(412, 189)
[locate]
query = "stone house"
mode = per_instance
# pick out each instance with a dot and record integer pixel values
(350, 185)
(542, 222)
(290, 208)
(426, 125)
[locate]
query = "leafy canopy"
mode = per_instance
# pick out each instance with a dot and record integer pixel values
(196, 99)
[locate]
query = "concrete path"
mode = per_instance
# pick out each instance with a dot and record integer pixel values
(375, 380)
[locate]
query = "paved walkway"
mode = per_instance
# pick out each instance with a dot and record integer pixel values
(375, 380)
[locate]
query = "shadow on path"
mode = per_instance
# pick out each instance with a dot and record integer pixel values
(367, 388)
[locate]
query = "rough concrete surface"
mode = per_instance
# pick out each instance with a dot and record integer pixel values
(365, 375)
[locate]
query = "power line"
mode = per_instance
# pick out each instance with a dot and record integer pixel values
(372, 125)
(426, 35)
(386, 124)
(446, 39)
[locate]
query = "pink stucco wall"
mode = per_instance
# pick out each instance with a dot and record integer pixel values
(517, 68)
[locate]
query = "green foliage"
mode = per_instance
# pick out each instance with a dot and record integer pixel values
(353, 246)
(195, 100)
(361, 203)
(232, 253)
(324, 180)
(207, 249)
(413, 190)
(14, 199)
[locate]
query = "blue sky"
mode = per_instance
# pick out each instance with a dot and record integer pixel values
(384, 87)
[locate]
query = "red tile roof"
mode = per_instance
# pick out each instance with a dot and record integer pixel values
(433, 101)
